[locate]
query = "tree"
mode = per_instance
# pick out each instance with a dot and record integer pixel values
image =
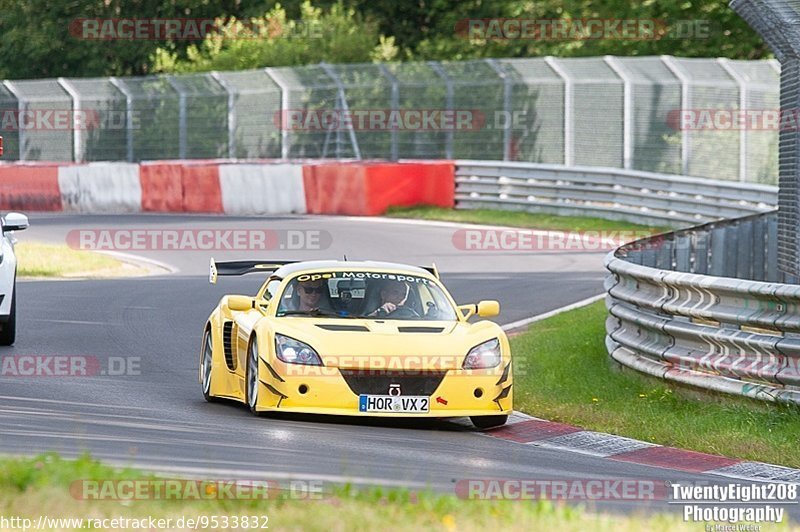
(338, 35)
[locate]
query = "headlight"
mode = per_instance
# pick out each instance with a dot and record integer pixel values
(295, 352)
(485, 355)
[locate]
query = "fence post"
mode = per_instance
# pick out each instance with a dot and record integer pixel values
(231, 113)
(121, 87)
(673, 67)
(436, 67)
(269, 71)
(21, 105)
(569, 137)
(181, 117)
(627, 109)
(506, 107)
(395, 153)
(77, 148)
(726, 65)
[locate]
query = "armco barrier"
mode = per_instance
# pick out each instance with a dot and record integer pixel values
(611, 193)
(677, 310)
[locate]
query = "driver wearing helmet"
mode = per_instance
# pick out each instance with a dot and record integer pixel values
(394, 294)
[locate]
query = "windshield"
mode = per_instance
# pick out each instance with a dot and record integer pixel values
(370, 295)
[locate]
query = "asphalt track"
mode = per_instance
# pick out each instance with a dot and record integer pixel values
(158, 418)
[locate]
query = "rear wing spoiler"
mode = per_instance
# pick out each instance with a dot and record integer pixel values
(242, 267)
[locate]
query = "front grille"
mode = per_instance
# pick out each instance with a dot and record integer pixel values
(376, 382)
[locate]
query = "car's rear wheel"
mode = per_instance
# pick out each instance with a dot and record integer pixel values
(252, 376)
(488, 422)
(206, 365)
(8, 334)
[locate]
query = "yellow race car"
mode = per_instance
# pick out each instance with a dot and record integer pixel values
(358, 339)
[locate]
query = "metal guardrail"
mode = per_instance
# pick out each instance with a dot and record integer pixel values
(707, 307)
(704, 306)
(612, 193)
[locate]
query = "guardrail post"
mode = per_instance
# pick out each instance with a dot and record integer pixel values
(436, 67)
(569, 106)
(673, 67)
(231, 112)
(123, 88)
(506, 107)
(21, 106)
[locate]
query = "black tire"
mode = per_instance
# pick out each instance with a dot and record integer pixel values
(8, 334)
(488, 422)
(251, 377)
(205, 367)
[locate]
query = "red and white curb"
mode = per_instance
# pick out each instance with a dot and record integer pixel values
(528, 430)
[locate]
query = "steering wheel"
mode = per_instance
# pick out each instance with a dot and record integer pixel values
(404, 312)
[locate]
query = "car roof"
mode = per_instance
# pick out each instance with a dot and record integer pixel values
(297, 267)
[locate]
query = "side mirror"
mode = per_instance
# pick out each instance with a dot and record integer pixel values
(484, 309)
(15, 221)
(240, 303)
(488, 308)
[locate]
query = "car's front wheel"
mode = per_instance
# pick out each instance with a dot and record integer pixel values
(488, 422)
(252, 376)
(8, 334)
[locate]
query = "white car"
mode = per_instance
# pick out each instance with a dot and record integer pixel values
(13, 221)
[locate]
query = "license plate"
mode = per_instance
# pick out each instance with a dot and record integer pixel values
(399, 404)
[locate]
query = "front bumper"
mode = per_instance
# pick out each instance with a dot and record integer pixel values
(321, 390)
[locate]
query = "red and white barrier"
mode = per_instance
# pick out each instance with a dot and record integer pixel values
(317, 187)
(100, 188)
(262, 188)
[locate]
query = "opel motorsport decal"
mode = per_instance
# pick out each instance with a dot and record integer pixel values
(363, 275)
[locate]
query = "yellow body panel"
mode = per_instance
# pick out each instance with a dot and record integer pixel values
(382, 348)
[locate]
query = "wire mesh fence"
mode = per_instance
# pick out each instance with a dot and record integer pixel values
(660, 114)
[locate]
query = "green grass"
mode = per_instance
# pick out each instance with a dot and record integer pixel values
(30, 487)
(563, 373)
(518, 219)
(54, 261)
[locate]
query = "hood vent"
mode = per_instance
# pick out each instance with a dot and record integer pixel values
(338, 327)
(420, 329)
